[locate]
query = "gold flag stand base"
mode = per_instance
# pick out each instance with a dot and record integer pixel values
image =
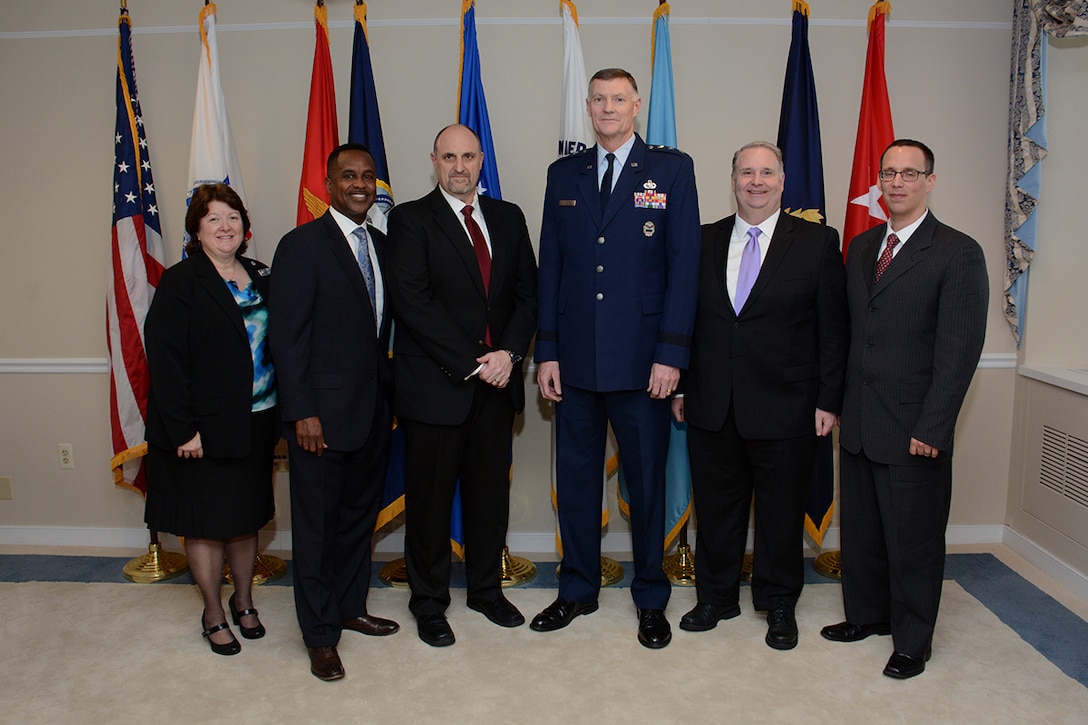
(266, 568)
(395, 573)
(611, 571)
(746, 568)
(829, 564)
(155, 566)
(680, 567)
(515, 570)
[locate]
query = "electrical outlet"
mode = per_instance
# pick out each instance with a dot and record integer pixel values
(66, 458)
(5, 488)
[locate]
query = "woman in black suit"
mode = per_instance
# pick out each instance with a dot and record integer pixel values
(211, 412)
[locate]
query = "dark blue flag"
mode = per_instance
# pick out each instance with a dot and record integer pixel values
(364, 120)
(803, 196)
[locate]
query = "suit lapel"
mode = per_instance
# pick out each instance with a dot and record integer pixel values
(914, 251)
(500, 248)
(379, 240)
(776, 252)
(341, 252)
(589, 189)
(630, 178)
(210, 280)
(867, 247)
(450, 226)
(720, 247)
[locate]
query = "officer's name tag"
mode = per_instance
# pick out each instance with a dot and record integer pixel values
(650, 199)
(567, 202)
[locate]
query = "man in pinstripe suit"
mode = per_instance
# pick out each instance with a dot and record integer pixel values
(917, 294)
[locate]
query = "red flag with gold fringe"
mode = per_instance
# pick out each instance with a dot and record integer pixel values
(321, 133)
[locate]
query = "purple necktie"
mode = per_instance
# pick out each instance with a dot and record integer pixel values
(749, 269)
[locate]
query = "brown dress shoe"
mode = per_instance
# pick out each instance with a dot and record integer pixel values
(372, 626)
(325, 663)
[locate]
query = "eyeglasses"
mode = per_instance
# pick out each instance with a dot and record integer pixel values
(908, 175)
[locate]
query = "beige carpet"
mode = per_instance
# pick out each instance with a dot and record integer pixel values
(124, 653)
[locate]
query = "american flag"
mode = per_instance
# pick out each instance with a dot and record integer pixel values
(135, 268)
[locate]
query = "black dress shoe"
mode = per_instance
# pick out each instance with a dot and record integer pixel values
(559, 614)
(499, 610)
(325, 663)
(902, 666)
(247, 632)
(704, 617)
(781, 627)
(230, 648)
(435, 630)
(371, 626)
(653, 629)
(850, 632)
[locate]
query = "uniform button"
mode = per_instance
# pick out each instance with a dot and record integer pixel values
(600, 268)
(600, 296)
(868, 343)
(600, 240)
(868, 381)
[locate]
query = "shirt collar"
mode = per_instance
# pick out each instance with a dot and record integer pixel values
(457, 205)
(905, 233)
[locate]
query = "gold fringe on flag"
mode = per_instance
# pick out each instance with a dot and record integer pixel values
(881, 7)
(662, 9)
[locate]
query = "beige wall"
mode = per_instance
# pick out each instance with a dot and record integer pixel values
(947, 69)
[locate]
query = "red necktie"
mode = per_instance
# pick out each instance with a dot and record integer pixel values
(479, 244)
(886, 255)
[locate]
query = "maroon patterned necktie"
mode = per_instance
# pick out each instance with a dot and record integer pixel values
(483, 256)
(886, 255)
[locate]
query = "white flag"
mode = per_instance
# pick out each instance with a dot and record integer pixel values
(576, 134)
(212, 158)
(575, 129)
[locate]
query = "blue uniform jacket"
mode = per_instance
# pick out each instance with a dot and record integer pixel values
(617, 291)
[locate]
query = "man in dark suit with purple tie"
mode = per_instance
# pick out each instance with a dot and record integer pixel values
(917, 292)
(766, 376)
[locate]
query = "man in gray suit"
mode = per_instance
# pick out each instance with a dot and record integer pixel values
(917, 293)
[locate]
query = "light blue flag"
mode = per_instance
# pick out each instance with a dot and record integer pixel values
(661, 125)
(661, 131)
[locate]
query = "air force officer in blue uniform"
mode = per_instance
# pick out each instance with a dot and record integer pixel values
(619, 262)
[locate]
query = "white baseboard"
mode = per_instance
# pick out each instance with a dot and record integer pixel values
(522, 543)
(1053, 567)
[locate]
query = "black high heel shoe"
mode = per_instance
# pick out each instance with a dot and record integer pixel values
(230, 648)
(247, 632)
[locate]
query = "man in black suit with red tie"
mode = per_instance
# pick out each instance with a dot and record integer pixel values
(329, 329)
(918, 292)
(462, 276)
(767, 363)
